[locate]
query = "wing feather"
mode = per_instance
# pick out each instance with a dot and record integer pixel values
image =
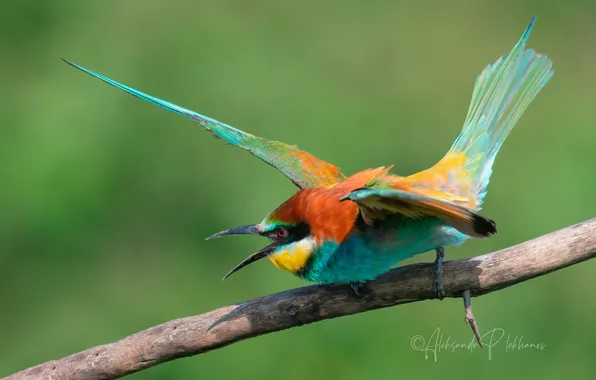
(302, 168)
(391, 195)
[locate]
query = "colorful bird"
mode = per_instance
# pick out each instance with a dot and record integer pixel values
(338, 229)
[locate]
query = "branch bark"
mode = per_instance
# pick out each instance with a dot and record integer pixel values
(218, 328)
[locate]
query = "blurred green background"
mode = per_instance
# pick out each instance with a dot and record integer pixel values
(105, 200)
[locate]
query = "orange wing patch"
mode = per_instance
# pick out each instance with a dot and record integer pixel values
(448, 179)
(320, 172)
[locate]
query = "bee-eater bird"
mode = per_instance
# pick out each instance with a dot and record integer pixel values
(350, 229)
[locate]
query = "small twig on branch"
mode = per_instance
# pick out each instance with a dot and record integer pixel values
(218, 328)
(469, 318)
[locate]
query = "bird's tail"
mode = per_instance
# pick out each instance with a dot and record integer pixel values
(501, 94)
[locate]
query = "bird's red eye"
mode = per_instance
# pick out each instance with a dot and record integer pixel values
(281, 232)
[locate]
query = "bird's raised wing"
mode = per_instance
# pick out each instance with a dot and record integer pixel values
(299, 166)
(390, 195)
(502, 92)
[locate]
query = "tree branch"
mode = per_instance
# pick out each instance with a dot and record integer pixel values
(218, 328)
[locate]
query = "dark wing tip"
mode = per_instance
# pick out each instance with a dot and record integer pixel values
(70, 63)
(483, 226)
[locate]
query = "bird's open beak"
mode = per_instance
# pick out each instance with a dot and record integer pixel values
(252, 258)
(246, 230)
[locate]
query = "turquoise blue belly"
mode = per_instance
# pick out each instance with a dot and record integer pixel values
(374, 251)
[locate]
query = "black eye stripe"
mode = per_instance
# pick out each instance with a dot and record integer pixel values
(299, 231)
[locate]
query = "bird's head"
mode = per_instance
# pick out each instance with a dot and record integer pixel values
(297, 228)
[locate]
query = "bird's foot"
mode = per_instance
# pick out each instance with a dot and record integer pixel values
(439, 272)
(357, 287)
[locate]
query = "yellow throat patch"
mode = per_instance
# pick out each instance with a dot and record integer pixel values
(294, 257)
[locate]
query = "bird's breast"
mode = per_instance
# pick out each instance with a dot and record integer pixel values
(368, 253)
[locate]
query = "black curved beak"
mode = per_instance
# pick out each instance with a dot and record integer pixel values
(246, 230)
(243, 230)
(252, 258)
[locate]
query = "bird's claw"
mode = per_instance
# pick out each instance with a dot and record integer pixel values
(439, 272)
(357, 287)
